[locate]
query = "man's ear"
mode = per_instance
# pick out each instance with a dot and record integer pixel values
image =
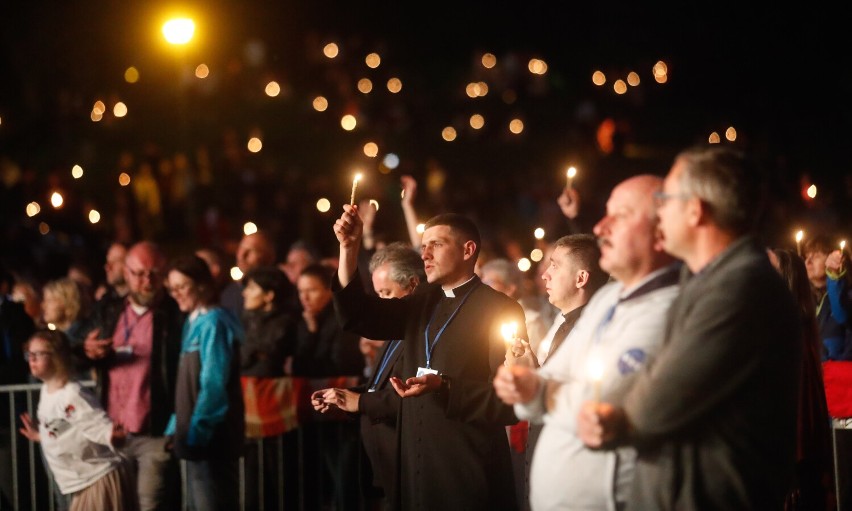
(581, 279)
(697, 212)
(469, 249)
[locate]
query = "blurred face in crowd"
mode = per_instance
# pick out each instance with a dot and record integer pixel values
(493, 280)
(297, 260)
(560, 279)
(53, 308)
(144, 272)
(313, 294)
(256, 298)
(184, 291)
(445, 256)
(387, 288)
(674, 210)
(39, 356)
(254, 251)
(627, 234)
(114, 267)
(815, 264)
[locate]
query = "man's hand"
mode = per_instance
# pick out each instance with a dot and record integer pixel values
(95, 348)
(344, 399)
(600, 423)
(834, 262)
(318, 402)
(416, 386)
(409, 189)
(516, 384)
(30, 430)
(569, 202)
(348, 227)
(519, 352)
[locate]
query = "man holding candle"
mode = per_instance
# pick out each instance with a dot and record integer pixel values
(454, 453)
(713, 418)
(619, 331)
(827, 274)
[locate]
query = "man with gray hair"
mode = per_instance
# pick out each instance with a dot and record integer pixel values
(714, 418)
(396, 271)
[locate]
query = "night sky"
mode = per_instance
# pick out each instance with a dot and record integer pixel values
(779, 76)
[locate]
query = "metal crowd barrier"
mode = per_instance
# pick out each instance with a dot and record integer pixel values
(31, 485)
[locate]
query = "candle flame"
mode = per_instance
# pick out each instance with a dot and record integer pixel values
(509, 331)
(799, 236)
(595, 370)
(842, 245)
(571, 172)
(357, 177)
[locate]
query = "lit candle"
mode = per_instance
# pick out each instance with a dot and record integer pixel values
(842, 245)
(596, 376)
(354, 186)
(509, 332)
(799, 235)
(571, 173)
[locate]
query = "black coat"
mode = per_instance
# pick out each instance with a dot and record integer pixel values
(454, 453)
(270, 338)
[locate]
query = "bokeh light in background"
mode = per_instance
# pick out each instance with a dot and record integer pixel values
(236, 273)
(320, 104)
(131, 75)
(254, 145)
(477, 121)
(524, 264)
(249, 228)
(516, 126)
(448, 133)
(124, 179)
(489, 60)
(394, 85)
(76, 172)
(731, 134)
(331, 50)
(420, 228)
(714, 138)
(598, 78)
(33, 209)
(348, 122)
(323, 205)
(119, 110)
(178, 30)
(202, 71)
(365, 85)
(371, 149)
(536, 255)
(94, 216)
(538, 233)
(272, 89)
(373, 60)
(56, 200)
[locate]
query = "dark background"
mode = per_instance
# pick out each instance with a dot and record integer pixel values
(780, 76)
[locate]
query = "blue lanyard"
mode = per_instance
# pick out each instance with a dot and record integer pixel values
(431, 347)
(128, 330)
(385, 359)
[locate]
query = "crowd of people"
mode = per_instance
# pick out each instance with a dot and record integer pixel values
(665, 359)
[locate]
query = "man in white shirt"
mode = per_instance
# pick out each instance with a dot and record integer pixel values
(619, 331)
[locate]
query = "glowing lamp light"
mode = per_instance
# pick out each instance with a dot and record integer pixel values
(538, 233)
(56, 200)
(249, 228)
(254, 145)
(524, 264)
(76, 172)
(178, 30)
(323, 205)
(94, 216)
(236, 273)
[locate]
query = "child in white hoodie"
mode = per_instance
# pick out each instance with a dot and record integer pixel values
(75, 433)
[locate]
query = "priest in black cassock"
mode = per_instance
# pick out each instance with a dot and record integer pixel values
(454, 452)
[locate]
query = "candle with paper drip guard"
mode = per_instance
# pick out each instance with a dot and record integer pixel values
(509, 332)
(571, 173)
(799, 235)
(596, 370)
(354, 186)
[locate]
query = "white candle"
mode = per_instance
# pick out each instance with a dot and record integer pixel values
(571, 173)
(596, 370)
(799, 236)
(509, 331)
(354, 185)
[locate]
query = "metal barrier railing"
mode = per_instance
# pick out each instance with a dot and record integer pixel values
(31, 485)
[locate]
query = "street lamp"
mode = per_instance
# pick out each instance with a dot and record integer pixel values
(178, 31)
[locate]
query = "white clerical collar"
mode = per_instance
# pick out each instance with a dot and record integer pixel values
(450, 293)
(138, 309)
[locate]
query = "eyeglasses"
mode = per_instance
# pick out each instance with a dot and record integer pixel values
(180, 288)
(36, 355)
(660, 198)
(141, 274)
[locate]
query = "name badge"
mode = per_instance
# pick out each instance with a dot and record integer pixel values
(371, 389)
(425, 370)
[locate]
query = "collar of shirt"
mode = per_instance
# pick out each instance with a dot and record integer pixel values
(197, 312)
(627, 291)
(451, 293)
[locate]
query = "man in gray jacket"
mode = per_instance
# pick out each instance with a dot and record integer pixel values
(714, 417)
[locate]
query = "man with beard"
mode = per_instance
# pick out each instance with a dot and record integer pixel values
(134, 349)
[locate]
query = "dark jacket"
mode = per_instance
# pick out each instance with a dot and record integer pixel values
(454, 453)
(327, 352)
(168, 320)
(15, 329)
(270, 338)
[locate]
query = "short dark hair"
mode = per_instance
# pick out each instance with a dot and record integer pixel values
(319, 271)
(584, 250)
(818, 243)
(727, 181)
(270, 278)
(404, 262)
(461, 225)
(198, 272)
